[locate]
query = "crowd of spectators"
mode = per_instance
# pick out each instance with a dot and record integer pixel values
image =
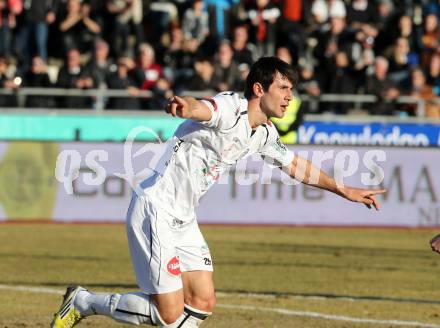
(381, 47)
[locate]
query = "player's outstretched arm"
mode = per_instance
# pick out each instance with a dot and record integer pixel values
(188, 107)
(435, 243)
(303, 170)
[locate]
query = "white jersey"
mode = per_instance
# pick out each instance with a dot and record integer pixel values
(200, 151)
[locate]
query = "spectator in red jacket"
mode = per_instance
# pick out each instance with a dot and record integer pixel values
(148, 71)
(150, 76)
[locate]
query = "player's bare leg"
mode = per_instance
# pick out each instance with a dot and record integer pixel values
(189, 307)
(199, 296)
(184, 308)
(170, 306)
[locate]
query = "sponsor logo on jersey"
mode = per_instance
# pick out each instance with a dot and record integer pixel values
(173, 266)
(211, 173)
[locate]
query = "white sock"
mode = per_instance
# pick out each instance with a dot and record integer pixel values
(90, 303)
(133, 308)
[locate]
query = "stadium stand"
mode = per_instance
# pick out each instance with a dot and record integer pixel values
(337, 45)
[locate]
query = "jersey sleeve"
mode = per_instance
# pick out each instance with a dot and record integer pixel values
(225, 110)
(274, 152)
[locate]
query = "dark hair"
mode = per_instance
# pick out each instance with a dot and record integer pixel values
(264, 70)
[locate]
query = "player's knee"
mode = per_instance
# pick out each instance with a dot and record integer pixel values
(169, 307)
(210, 303)
(204, 302)
(171, 315)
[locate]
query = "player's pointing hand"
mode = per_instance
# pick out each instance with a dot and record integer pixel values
(365, 196)
(178, 106)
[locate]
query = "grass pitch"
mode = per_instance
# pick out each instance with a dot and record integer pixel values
(265, 276)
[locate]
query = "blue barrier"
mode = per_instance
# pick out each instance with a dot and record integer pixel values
(370, 133)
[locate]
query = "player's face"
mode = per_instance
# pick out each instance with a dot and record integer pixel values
(275, 100)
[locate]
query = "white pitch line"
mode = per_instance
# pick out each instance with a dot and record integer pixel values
(32, 289)
(257, 308)
(329, 316)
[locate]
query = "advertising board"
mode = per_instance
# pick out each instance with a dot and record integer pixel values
(93, 182)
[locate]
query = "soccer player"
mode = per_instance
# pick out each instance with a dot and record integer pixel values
(435, 243)
(171, 259)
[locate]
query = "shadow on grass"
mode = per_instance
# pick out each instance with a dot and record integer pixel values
(53, 257)
(70, 283)
(343, 266)
(324, 249)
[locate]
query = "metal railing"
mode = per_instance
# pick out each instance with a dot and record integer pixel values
(99, 97)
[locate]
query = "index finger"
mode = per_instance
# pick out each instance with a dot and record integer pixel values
(179, 100)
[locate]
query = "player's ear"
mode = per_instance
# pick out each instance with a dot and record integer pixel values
(258, 90)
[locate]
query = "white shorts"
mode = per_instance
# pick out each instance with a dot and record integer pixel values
(162, 247)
